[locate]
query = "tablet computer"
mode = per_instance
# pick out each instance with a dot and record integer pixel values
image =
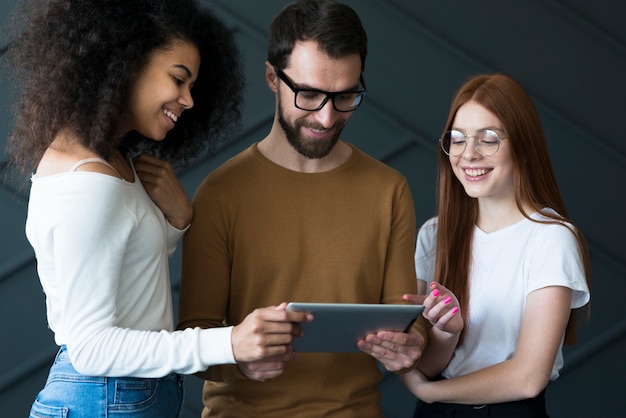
(338, 326)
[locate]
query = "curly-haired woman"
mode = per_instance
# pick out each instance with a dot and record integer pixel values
(115, 94)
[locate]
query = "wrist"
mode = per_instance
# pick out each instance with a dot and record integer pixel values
(181, 222)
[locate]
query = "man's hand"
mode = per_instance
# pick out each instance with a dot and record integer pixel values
(266, 369)
(396, 351)
(262, 342)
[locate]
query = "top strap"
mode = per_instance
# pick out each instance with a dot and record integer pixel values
(79, 163)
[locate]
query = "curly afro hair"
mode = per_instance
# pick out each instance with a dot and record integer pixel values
(76, 61)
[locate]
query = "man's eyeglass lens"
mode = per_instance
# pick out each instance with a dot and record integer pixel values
(311, 99)
(314, 100)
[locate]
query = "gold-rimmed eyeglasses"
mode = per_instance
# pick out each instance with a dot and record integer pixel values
(486, 142)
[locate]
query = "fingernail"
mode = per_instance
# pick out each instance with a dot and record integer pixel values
(435, 292)
(455, 309)
(433, 284)
(447, 300)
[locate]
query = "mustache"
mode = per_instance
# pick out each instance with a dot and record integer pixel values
(318, 127)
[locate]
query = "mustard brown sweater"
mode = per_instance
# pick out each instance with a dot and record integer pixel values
(262, 235)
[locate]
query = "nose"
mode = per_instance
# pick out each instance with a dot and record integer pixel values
(186, 100)
(470, 152)
(326, 115)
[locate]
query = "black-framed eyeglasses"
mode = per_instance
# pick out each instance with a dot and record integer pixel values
(314, 99)
(486, 142)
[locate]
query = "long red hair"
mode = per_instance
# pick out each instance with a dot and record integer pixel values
(534, 181)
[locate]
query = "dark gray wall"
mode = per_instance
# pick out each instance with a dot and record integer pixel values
(569, 54)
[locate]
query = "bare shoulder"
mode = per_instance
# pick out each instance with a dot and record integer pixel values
(64, 154)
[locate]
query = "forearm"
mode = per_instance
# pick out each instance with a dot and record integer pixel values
(527, 373)
(503, 382)
(438, 352)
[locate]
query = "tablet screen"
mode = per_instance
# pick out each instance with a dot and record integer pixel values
(338, 326)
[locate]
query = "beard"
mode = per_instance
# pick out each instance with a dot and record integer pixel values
(310, 148)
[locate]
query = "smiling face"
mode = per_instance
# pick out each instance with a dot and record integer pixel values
(484, 178)
(314, 133)
(163, 90)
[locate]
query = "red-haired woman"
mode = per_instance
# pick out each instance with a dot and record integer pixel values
(503, 244)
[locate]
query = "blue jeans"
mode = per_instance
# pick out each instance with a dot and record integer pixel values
(69, 393)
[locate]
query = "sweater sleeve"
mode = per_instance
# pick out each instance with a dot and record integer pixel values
(399, 267)
(400, 275)
(205, 283)
(79, 226)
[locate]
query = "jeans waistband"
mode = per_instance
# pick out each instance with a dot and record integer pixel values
(64, 357)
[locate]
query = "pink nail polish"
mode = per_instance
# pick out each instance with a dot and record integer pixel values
(435, 293)
(447, 300)
(455, 309)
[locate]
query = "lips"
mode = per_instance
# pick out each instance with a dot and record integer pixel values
(315, 133)
(171, 115)
(475, 172)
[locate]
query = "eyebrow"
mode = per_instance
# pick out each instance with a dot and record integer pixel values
(184, 68)
(489, 128)
(305, 86)
(309, 87)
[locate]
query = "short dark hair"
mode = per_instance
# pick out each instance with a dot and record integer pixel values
(78, 59)
(334, 26)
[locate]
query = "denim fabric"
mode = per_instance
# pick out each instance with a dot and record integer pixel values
(69, 393)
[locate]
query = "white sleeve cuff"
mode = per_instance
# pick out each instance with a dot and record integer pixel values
(220, 349)
(173, 236)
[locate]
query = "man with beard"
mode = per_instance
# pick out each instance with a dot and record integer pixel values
(303, 216)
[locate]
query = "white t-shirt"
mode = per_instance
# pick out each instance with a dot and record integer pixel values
(507, 265)
(102, 250)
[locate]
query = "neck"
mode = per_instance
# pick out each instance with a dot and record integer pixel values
(496, 215)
